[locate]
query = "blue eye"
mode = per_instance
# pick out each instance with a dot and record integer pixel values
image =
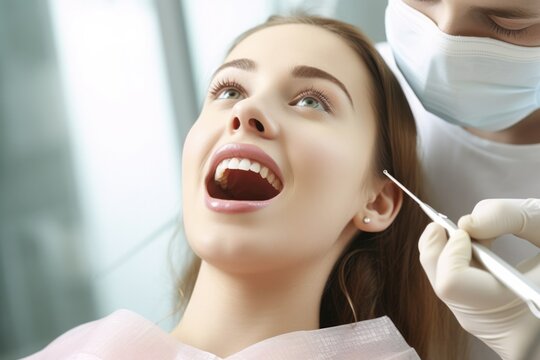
(315, 99)
(227, 90)
(311, 102)
(229, 94)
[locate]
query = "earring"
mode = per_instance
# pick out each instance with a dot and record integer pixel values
(366, 220)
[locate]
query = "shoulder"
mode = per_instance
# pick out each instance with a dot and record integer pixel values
(120, 335)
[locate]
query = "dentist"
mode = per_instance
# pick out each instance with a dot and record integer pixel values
(471, 72)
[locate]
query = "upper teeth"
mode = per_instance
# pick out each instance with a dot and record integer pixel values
(247, 165)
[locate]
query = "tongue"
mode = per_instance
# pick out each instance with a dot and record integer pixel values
(247, 185)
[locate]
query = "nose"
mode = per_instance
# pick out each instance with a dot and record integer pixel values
(449, 25)
(450, 19)
(249, 116)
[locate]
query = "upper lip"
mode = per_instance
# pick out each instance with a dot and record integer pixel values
(246, 151)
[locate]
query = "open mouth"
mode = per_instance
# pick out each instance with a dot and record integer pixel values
(243, 179)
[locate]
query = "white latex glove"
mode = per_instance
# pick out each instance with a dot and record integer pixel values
(483, 306)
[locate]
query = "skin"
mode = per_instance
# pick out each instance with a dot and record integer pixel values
(263, 272)
(494, 19)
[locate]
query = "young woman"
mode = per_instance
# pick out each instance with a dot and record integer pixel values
(295, 229)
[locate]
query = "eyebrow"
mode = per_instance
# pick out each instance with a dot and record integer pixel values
(242, 64)
(303, 71)
(510, 13)
(300, 71)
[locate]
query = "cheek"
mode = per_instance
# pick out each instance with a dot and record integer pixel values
(192, 143)
(197, 148)
(335, 167)
(329, 177)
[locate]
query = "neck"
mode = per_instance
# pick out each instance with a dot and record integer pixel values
(227, 313)
(527, 131)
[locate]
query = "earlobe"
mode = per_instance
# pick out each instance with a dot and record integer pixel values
(381, 209)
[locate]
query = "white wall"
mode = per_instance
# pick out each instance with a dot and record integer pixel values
(125, 150)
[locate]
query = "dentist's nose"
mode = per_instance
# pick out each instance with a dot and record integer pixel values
(449, 19)
(248, 116)
(448, 25)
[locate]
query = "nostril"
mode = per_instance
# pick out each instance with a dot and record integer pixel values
(236, 124)
(258, 125)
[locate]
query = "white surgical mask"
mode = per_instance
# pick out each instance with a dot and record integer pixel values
(469, 81)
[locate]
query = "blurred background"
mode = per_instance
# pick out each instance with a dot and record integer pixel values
(96, 97)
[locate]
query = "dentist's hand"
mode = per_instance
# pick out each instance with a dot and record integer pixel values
(482, 305)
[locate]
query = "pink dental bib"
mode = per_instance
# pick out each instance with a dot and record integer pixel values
(126, 335)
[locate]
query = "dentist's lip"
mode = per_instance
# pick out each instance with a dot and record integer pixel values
(237, 150)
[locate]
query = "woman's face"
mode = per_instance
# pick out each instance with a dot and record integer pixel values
(276, 166)
(516, 22)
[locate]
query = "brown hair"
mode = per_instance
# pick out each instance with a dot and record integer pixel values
(380, 273)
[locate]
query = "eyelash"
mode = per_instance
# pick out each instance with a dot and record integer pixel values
(225, 84)
(506, 32)
(319, 95)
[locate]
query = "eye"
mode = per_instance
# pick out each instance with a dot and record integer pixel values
(229, 94)
(504, 31)
(311, 102)
(313, 98)
(227, 90)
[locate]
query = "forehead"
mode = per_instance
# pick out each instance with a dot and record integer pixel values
(282, 47)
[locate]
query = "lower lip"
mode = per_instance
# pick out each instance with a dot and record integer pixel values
(233, 206)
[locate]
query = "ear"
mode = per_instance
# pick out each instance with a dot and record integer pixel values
(381, 208)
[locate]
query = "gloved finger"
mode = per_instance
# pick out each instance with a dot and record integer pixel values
(495, 217)
(458, 283)
(430, 245)
(456, 255)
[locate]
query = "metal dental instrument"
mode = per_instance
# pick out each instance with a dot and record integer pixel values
(506, 274)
